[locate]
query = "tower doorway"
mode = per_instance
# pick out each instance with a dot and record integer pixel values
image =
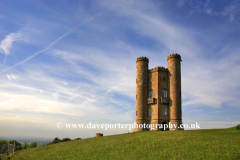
(166, 126)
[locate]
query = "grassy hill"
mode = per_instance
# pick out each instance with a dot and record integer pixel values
(192, 144)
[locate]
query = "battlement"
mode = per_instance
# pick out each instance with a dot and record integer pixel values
(157, 69)
(142, 59)
(174, 56)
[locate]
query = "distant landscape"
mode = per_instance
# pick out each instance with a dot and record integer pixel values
(28, 139)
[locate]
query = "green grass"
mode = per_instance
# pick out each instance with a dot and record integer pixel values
(192, 144)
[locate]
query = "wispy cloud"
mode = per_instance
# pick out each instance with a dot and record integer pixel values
(230, 10)
(35, 54)
(11, 76)
(180, 3)
(208, 83)
(51, 95)
(6, 43)
(146, 22)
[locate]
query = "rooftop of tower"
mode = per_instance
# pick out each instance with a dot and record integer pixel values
(159, 68)
(174, 56)
(142, 59)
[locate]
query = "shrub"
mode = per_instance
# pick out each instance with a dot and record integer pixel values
(66, 139)
(238, 127)
(56, 140)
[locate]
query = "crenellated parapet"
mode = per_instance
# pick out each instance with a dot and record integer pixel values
(174, 56)
(142, 59)
(158, 69)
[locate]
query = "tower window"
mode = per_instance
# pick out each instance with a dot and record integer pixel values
(164, 79)
(150, 112)
(164, 111)
(164, 94)
(151, 94)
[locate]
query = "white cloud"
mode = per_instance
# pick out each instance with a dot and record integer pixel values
(229, 11)
(117, 74)
(145, 21)
(212, 84)
(11, 76)
(6, 43)
(35, 92)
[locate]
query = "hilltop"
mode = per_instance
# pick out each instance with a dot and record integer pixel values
(190, 144)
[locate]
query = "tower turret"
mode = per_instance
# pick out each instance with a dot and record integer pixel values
(141, 90)
(174, 67)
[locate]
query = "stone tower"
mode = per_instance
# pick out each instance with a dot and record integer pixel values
(158, 94)
(141, 88)
(174, 67)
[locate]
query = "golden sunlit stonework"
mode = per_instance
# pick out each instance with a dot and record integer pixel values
(158, 93)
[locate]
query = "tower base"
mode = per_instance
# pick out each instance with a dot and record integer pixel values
(175, 125)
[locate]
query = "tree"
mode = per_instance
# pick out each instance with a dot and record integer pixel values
(25, 145)
(32, 145)
(3, 146)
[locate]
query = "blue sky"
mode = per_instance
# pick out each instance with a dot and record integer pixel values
(75, 61)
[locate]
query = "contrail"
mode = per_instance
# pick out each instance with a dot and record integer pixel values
(43, 50)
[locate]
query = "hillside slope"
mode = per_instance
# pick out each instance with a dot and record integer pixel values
(194, 144)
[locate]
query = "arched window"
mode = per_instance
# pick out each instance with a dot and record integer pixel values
(164, 94)
(151, 94)
(164, 111)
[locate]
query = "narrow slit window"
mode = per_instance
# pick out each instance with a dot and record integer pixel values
(164, 111)
(150, 112)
